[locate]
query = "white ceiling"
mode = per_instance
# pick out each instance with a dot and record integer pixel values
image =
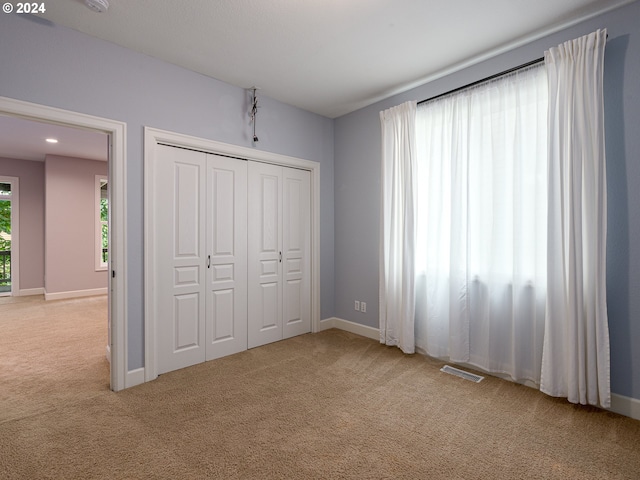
(326, 56)
(26, 140)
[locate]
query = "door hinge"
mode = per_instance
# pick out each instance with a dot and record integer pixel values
(208, 261)
(113, 274)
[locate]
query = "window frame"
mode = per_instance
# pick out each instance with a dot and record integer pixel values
(99, 264)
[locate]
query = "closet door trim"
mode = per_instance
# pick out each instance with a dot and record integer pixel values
(154, 137)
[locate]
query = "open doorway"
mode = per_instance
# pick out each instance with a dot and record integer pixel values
(113, 134)
(50, 171)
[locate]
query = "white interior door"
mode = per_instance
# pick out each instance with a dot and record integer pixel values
(180, 257)
(232, 256)
(279, 253)
(226, 324)
(260, 275)
(201, 257)
(265, 254)
(296, 252)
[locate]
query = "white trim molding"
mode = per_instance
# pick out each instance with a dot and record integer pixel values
(627, 406)
(116, 131)
(134, 377)
(154, 137)
(348, 326)
(26, 292)
(76, 294)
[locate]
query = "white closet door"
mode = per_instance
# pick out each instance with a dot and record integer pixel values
(226, 324)
(180, 257)
(279, 253)
(296, 252)
(265, 261)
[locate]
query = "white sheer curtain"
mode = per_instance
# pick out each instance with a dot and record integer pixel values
(397, 237)
(493, 227)
(481, 225)
(576, 347)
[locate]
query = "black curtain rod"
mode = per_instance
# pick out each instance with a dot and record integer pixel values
(524, 65)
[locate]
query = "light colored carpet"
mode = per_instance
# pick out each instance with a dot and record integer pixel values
(327, 405)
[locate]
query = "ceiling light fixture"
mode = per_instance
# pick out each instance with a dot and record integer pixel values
(52, 140)
(98, 6)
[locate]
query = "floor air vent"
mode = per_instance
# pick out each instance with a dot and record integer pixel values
(462, 374)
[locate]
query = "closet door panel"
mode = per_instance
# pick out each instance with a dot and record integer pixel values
(186, 316)
(180, 252)
(226, 320)
(296, 249)
(265, 290)
(270, 302)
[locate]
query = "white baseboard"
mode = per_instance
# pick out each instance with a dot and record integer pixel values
(134, 377)
(346, 325)
(108, 353)
(75, 294)
(25, 292)
(627, 406)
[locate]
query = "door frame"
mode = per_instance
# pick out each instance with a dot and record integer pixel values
(153, 137)
(116, 132)
(15, 232)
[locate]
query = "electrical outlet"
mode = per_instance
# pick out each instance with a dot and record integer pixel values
(363, 307)
(357, 306)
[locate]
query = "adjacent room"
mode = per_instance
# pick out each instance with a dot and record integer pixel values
(359, 239)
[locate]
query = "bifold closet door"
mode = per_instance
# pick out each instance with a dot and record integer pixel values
(226, 324)
(200, 256)
(278, 253)
(296, 252)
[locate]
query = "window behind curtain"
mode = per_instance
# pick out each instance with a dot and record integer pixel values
(481, 228)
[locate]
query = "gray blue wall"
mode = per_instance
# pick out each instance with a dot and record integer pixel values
(357, 185)
(56, 66)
